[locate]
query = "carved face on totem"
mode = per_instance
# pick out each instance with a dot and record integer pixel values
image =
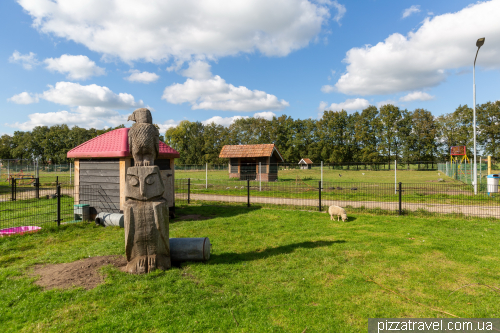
(143, 183)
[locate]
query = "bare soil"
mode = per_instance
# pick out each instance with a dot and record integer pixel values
(82, 273)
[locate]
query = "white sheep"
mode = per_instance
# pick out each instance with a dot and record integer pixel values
(339, 211)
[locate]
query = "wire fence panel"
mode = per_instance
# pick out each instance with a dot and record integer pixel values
(42, 205)
(409, 199)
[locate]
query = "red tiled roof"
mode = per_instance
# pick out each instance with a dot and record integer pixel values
(306, 160)
(235, 151)
(114, 144)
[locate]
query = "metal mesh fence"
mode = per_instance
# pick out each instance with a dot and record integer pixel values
(407, 198)
(25, 171)
(42, 205)
(464, 172)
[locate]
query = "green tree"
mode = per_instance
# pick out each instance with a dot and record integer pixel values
(424, 133)
(390, 116)
(6, 146)
(334, 135)
(488, 123)
(214, 138)
(366, 126)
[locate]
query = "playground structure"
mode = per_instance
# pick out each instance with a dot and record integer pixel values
(458, 163)
(461, 168)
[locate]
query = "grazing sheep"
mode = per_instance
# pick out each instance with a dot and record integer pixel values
(339, 211)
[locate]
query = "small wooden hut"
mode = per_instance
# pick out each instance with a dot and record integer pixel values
(103, 162)
(244, 161)
(305, 163)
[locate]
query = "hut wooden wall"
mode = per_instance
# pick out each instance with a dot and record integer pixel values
(106, 174)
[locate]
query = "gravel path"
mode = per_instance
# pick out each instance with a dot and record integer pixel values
(469, 210)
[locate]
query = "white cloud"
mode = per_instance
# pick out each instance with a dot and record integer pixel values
(74, 94)
(413, 9)
(416, 96)
(389, 101)
(327, 88)
(83, 117)
(78, 67)
(226, 121)
(91, 106)
(215, 94)
(424, 58)
(28, 61)
(24, 98)
(348, 105)
(142, 77)
(340, 11)
(199, 70)
(166, 125)
(158, 30)
(268, 115)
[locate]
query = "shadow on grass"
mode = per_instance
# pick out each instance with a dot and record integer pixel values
(227, 258)
(205, 212)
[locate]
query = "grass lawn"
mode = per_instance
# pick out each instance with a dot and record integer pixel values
(270, 271)
(329, 175)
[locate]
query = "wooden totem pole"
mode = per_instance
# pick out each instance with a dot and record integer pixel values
(145, 210)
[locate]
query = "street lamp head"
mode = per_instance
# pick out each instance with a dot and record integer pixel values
(480, 42)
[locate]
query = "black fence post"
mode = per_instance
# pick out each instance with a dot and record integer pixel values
(57, 180)
(37, 188)
(248, 192)
(13, 189)
(319, 195)
(189, 189)
(58, 194)
(400, 187)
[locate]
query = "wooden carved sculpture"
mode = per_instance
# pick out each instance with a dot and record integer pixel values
(143, 138)
(145, 210)
(146, 221)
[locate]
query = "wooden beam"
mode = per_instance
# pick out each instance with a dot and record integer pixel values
(124, 165)
(77, 181)
(172, 167)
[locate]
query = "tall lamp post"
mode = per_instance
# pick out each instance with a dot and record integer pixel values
(479, 43)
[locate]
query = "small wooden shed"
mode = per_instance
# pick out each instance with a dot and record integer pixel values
(305, 163)
(103, 162)
(244, 161)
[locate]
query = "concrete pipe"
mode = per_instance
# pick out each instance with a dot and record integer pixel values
(190, 249)
(110, 219)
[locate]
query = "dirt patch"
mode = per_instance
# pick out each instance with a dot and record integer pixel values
(194, 217)
(82, 273)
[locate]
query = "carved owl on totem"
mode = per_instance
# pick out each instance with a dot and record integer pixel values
(143, 138)
(146, 221)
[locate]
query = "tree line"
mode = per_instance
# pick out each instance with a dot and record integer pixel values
(48, 144)
(373, 135)
(370, 136)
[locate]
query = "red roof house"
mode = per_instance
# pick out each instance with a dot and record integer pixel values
(114, 144)
(103, 162)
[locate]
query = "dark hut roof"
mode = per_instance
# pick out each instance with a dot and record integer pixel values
(263, 150)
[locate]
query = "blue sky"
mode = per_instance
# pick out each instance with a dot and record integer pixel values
(92, 62)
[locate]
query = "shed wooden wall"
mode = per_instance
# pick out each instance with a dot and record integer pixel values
(106, 174)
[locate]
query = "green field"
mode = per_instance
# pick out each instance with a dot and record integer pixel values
(347, 176)
(270, 271)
